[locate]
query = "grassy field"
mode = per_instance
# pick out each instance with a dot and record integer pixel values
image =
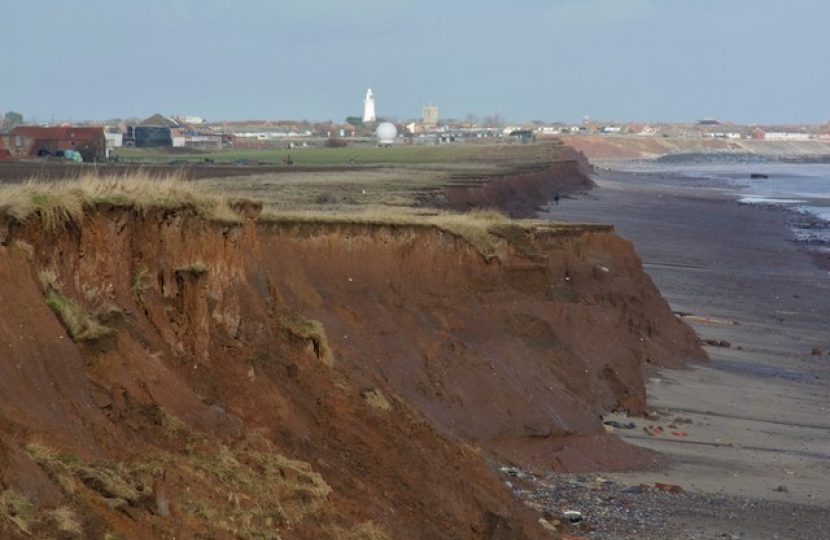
(382, 196)
(351, 155)
(358, 177)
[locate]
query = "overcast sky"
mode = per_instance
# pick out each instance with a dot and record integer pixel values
(746, 61)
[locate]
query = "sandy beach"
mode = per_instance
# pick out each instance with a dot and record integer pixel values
(747, 433)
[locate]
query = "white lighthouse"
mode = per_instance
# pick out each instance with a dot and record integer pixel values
(369, 107)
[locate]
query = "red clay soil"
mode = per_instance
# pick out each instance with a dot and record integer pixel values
(523, 194)
(387, 370)
(599, 147)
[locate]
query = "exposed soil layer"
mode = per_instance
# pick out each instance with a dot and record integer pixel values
(614, 147)
(265, 379)
(522, 194)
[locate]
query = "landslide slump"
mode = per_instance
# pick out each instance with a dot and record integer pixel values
(273, 379)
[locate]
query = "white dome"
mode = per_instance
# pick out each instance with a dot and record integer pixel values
(386, 133)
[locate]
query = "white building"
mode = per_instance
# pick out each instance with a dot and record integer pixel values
(786, 136)
(369, 107)
(114, 140)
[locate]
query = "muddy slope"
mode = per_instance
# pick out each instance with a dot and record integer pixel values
(164, 376)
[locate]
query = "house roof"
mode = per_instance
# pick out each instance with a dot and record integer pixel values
(63, 133)
(158, 120)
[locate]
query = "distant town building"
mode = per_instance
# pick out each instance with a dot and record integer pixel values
(34, 141)
(189, 120)
(786, 136)
(369, 107)
(148, 136)
(429, 115)
(153, 132)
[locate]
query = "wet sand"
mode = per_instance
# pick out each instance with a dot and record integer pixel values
(753, 424)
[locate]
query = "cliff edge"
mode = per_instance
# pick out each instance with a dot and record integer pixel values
(167, 374)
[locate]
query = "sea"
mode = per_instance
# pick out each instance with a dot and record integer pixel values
(802, 189)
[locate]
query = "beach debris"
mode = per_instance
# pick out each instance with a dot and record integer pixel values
(816, 351)
(782, 489)
(681, 420)
(679, 433)
(654, 431)
(620, 425)
(572, 516)
(718, 343)
(668, 488)
(599, 271)
(709, 320)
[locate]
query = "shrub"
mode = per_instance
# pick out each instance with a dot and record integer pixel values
(336, 142)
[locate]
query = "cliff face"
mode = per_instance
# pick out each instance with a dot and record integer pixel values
(602, 147)
(521, 193)
(166, 376)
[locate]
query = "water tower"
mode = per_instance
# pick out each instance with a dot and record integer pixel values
(369, 107)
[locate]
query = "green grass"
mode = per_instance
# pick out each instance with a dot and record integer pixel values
(315, 156)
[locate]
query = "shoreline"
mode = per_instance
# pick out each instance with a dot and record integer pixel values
(750, 428)
(808, 214)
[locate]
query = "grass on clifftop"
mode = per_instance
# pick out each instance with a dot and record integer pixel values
(61, 203)
(482, 229)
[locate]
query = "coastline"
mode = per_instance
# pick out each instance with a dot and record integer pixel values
(750, 428)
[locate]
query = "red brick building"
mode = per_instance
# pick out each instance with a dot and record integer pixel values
(33, 141)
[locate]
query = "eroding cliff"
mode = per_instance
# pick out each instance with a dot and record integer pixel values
(276, 379)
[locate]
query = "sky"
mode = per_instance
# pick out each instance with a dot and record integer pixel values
(742, 61)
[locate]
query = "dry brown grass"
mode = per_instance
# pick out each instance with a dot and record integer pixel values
(336, 191)
(196, 268)
(482, 229)
(61, 204)
(247, 489)
(380, 197)
(65, 519)
(311, 330)
(142, 281)
(79, 323)
(365, 531)
(18, 511)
